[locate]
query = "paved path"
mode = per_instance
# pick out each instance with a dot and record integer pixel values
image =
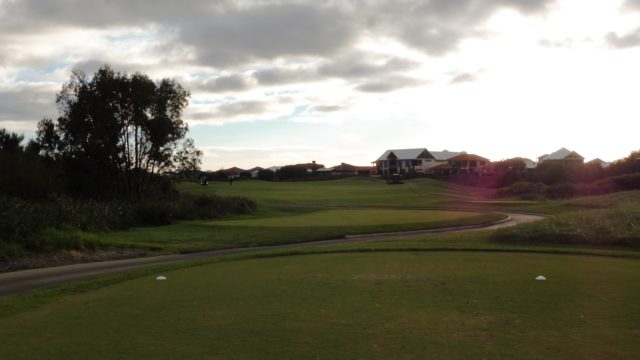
(19, 281)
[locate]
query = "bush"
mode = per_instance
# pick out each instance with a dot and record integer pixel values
(65, 223)
(520, 188)
(267, 175)
(560, 191)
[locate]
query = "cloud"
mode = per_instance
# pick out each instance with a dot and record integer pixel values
(230, 110)
(228, 83)
(631, 39)
(389, 84)
(241, 35)
(633, 4)
(328, 108)
(363, 65)
(227, 33)
(28, 103)
(437, 27)
(464, 77)
(280, 76)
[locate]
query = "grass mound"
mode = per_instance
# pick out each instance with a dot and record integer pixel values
(610, 220)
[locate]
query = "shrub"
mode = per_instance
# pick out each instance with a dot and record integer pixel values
(65, 223)
(520, 188)
(267, 175)
(560, 191)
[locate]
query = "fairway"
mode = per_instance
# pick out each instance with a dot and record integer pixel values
(368, 217)
(351, 191)
(298, 225)
(353, 305)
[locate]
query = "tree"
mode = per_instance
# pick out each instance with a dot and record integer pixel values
(116, 131)
(187, 159)
(24, 174)
(10, 142)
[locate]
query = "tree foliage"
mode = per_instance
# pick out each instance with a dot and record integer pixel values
(117, 131)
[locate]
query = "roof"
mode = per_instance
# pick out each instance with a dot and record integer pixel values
(468, 157)
(348, 167)
(407, 154)
(445, 154)
(233, 170)
(560, 154)
(602, 163)
(528, 163)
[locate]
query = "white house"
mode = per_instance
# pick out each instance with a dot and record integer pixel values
(419, 160)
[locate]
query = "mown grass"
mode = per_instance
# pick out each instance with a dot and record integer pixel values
(355, 305)
(308, 226)
(349, 191)
(609, 220)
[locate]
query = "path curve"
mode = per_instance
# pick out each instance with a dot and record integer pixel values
(20, 281)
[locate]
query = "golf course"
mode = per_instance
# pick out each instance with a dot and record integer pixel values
(449, 295)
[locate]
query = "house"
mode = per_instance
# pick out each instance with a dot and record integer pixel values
(401, 161)
(415, 160)
(254, 171)
(233, 172)
(563, 156)
(469, 164)
(311, 167)
(603, 164)
(463, 164)
(440, 158)
(347, 169)
(529, 164)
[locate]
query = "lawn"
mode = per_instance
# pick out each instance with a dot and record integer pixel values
(350, 305)
(288, 227)
(349, 191)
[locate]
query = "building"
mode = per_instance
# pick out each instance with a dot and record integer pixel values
(254, 171)
(563, 155)
(469, 164)
(348, 169)
(440, 160)
(418, 160)
(599, 162)
(463, 164)
(400, 161)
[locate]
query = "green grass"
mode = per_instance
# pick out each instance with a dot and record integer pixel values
(357, 305)
(349, 191)
(306, 226)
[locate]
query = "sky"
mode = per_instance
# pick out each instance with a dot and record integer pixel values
(282, 82)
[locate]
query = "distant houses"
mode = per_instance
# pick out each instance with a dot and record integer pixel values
(400, 161)
(562, 155)
(414, 161)
(423, 161)
(346, 170)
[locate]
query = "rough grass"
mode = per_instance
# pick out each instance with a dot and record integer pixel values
(609, 220)
(386, 305)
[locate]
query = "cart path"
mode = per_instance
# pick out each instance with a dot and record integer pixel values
(16, 282)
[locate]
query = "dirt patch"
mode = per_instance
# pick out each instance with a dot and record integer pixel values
(68, 257)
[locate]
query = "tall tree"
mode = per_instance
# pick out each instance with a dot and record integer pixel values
(115, 131)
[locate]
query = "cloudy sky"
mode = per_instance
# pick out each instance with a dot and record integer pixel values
(278, 82)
